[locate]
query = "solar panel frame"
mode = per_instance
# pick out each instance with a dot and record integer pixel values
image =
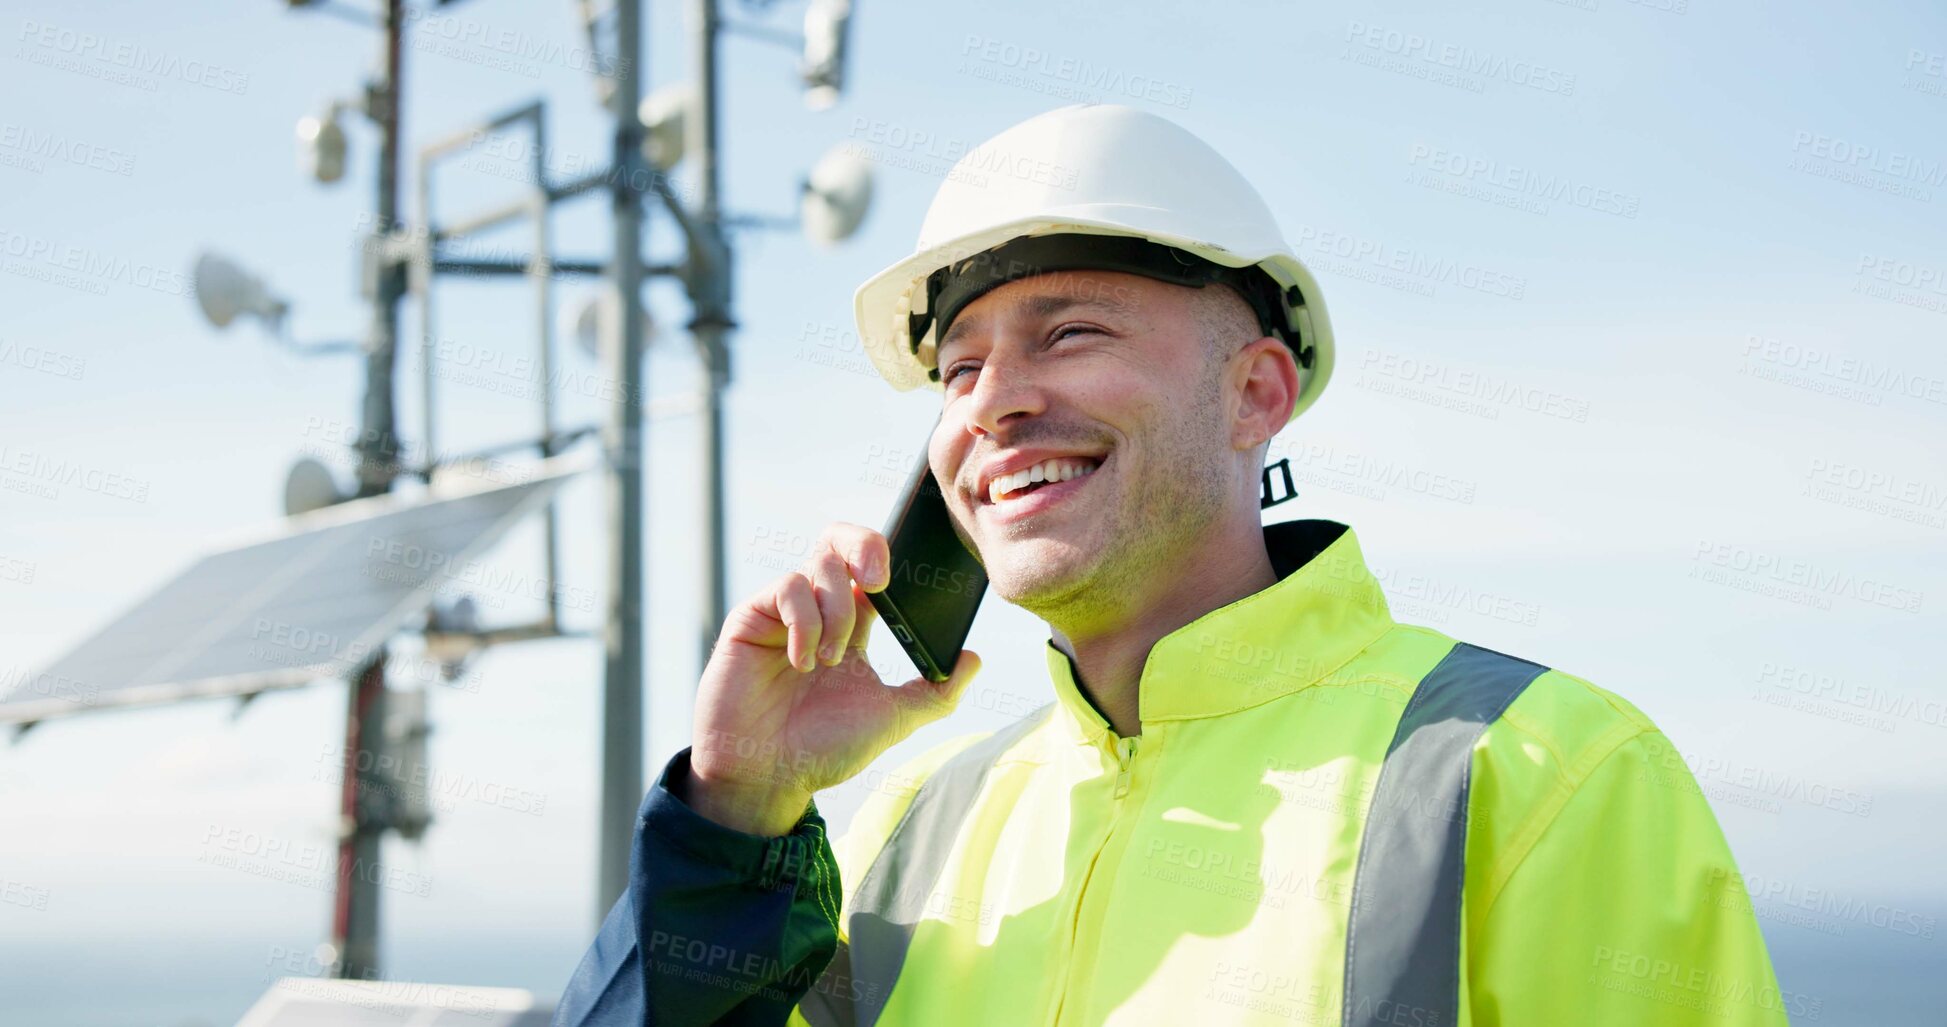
(328, 1002)
(344, 576)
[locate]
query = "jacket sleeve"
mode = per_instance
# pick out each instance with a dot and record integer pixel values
(717, 926)
(1628, 909)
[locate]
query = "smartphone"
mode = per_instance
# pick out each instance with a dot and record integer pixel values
(936, 583)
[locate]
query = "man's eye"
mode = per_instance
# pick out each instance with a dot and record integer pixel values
(947, 376)
(1062, 332)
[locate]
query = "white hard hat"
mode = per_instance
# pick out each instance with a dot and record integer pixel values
(1098, 170)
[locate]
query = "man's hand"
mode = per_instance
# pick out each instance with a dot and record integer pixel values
(789, 705)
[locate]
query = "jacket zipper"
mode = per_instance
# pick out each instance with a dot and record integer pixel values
(1124, 753)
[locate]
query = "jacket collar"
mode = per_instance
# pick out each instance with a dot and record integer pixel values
(1324, 608)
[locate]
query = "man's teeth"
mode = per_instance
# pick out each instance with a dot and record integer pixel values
(1048, 470)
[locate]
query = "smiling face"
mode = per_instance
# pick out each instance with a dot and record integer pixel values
(1149, 402)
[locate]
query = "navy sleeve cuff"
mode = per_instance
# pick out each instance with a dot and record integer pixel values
(763, 862)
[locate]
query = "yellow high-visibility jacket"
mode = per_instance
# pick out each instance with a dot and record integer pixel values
(1328, 818)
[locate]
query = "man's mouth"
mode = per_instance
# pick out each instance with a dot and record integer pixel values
(1008, 488)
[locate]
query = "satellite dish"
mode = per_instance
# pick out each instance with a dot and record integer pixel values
(309, 486)
(224, 291)
(591, 319)
(836, 195)
(665, 117)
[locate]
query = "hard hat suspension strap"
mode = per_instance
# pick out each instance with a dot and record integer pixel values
(950, 289)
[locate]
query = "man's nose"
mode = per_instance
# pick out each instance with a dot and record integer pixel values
(1002, 392)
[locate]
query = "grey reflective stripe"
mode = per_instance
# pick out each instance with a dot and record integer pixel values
(890, 899)
(829, 1003)
(1402, 943)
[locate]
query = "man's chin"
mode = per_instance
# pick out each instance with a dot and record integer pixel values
(1037, 573)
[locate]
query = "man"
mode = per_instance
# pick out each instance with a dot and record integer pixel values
(1255, 797)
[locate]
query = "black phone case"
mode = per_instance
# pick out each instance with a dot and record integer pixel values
(936, 584)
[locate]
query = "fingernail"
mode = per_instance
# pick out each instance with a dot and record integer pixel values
(825, 655)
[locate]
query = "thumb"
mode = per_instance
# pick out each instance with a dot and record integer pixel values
(933, 700)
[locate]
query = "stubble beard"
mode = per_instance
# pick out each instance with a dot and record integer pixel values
(1136, 537)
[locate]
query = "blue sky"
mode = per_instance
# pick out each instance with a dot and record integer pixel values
(1639, 305)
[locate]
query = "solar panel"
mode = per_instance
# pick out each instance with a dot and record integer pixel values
(318, 1002)
(315, 600)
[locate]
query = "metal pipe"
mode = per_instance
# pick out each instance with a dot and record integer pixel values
(575, 187)
(468, 136)
(364, 816)
(457, 266)
(764, 33)
(424, 266)
(622, 685)
(513, 211)
(558, 440)
(544, 334)
(710, 284)
(356, 914)
(502, 636)
(426, 261)
(378, 446)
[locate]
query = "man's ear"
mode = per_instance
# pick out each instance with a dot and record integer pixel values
(1265, 379)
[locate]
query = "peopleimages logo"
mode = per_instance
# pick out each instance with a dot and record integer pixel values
(1421, 270)
(1523, 182)
(1926, 72)
(1845, 909)
(1866, 165)
(1466, 384)
(1793, 579)
(448, 34)
(1368, 475)
(1703, 988)
(1877, 491)
(43, 474)
(962, 156)
(1868, 699)
(1464, 60)
(79, 267)
(1770, 785)
(1421, 595)
(1826, 370)
(1901, 281)
(115, 60)
(42, 359)
(62, 149)
(1072, 71)
(952, 581)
